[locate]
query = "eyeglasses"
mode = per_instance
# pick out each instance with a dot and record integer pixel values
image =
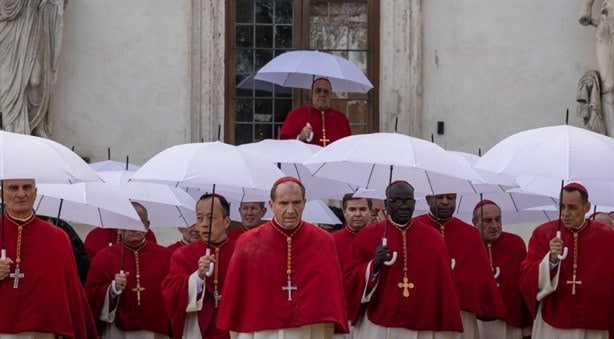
(319, 90)
(396, 203)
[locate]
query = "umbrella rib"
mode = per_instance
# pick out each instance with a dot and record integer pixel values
(181, 216)
(100, 217)
(428, 179)
(370, 175)
(513, 202)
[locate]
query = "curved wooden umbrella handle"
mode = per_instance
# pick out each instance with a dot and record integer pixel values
(497, 272)
(565, 249)
(452, 263)
(211, 265)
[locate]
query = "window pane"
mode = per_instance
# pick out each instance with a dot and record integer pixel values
(245, 11)
(282, 107)
(243, 133)
(264, 36)
(264, 12)
(263, 131)
(283, 12)
(243, 110)
(283, 36)
(263, 109)
(244, 61)
(262, 57)
(244, 36)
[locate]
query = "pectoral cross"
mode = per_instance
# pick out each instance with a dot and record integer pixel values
(324, 140)
(216, 298)
(16, 276)
(574, 282)
(289, 288)
(138, 290)
(406, 285)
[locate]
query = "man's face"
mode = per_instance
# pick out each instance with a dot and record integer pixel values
(135, 238)
(321, 94)
(251, 214)
(573, 209)
(19, 196)
(400, 203)
(377, 205)
(190, 234)
(442, 205)
(491, 228)
(206, 217)
(356, 214)
(288, 205)
(605, 219)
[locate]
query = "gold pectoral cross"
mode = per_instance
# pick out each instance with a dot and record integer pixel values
(138, 290)
(573, 284)
(406, 285)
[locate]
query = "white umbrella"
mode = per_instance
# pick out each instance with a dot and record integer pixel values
(111, 165)
(289, 155)
(46, 161)
(372, 161)
(562, 152)
(315, 212)
(298, 69)
(599, 192)
(166, 206)
(93, 203)
(234, 172)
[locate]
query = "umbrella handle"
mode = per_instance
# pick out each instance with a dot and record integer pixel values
(210, 271)
(3, 256)
(310, 137)
(497, 272)
(452, 263)
(565, 249)
(393, 258)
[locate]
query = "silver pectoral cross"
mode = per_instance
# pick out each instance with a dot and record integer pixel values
(16, 276)
(216, 298)
(289, 288)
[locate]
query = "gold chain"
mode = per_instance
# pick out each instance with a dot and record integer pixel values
(18, 250)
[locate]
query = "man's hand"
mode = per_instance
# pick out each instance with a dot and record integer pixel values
(5, 267)
(556, 248)
(381, 255)
(120, 281)
(203, 265)
(305, 133)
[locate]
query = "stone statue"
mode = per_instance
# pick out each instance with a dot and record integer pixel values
(604, 40)
(30, 40)
(589, 102)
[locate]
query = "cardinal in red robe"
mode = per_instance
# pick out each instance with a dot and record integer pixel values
(326, 124)
(284, 275)
(136, 305)
(99, 238)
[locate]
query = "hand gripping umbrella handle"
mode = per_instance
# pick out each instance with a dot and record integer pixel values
(565, 249)
(452, 263)
(393, 258)
(210, 271)
(497, 272)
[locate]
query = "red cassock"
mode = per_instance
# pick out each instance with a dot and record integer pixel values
(592, 307)
(508, 252)
(184, 262)
(476, 287)
(49, 297)
(173, 247)
(99, 238)
(336, 124)
(343, 241)
(253, 299)
(432, 303)
(236, 232)
(153, 268)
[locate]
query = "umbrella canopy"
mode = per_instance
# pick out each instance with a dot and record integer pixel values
(599, 192)
(111, 165)
(93, 203)
(372, 161)
(315, 212)
(234, 172)
(561, 152)
(298, 69)
(166, 206)
(46, 161)
(289, 155)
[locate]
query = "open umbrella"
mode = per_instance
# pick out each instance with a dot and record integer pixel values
(167, 206)
(45, 161)
(298, 69)
(289, 155)
(211, 167)
(563, 153)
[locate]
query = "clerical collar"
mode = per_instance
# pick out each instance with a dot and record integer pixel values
(578, 229)
(20, 221)
(347, 227)
(137, 247)
(400, 225)
(437, 220)
(217, 244)
(287, 232)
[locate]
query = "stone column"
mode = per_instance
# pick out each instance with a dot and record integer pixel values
(401, 66)
(207, 69)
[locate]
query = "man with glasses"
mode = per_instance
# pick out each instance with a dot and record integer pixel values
(318, 123)
(476, 288)
(506, 251)
(412, 296)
